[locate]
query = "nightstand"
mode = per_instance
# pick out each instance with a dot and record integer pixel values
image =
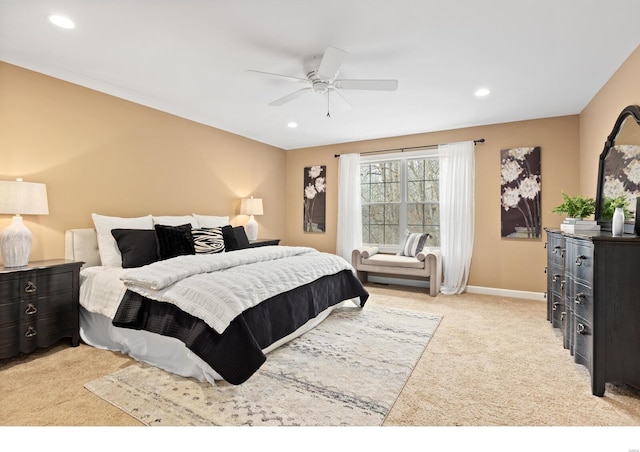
(263, 242)
(38, 305)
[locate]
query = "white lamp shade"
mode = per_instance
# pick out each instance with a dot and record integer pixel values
(20, 198)
(251, 206)
(23, 198)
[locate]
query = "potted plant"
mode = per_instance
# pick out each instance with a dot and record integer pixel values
(609, 206)
(577, 207)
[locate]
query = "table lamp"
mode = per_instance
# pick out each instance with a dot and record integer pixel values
(20, 198)
(251, 206)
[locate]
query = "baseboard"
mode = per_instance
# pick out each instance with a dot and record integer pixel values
(538, 296)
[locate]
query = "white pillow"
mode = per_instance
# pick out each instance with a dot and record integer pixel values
(210, 221)
(107, 247)
(175, 220)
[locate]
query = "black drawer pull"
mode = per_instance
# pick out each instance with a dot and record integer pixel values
(554, 306)
(31, 287)
(562, 283)
(556, 276)
(579, 297)
(556, 248)
(581, 329)
(31, 332)
(579, 259)
(31, 309)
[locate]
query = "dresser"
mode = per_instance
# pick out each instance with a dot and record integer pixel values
(38, 306)
(593, 296)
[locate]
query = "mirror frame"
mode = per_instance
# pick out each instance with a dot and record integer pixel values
(630, 111)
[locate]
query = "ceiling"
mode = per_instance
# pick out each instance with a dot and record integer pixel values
(539, 58)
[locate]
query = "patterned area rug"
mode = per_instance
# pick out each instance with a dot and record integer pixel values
(347, 371)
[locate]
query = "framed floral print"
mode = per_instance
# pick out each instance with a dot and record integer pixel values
(520, 185)
(315, 198)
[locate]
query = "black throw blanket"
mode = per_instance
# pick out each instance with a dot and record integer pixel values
(236, 354)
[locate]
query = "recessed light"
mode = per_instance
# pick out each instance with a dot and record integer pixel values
(292, 125)
(482, 92)
(61, 21)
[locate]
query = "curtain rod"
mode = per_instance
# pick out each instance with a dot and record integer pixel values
(386, 151)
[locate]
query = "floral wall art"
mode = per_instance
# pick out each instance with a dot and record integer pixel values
(520, 186)
(314, 198)
(622, 174)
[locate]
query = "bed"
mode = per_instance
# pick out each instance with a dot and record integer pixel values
(195, 298)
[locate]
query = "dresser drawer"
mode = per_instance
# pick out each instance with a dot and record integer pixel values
(582, 265)
(583, 302)
(583, 345)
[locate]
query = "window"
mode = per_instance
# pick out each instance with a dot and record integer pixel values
(399, 195)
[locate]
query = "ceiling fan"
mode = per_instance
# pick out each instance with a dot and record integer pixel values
(321, 78)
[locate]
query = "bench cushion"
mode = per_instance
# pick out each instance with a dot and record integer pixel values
(393, 260)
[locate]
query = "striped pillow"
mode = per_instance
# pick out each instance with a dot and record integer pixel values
(208, 240)
(413, 244)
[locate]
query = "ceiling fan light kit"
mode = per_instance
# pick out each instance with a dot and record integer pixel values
(321, 73)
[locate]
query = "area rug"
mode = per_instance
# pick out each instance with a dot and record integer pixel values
(347, 371)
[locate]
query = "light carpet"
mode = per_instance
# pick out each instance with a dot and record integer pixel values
(348, 371)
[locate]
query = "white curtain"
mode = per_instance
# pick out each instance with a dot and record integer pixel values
(457, 210)
(349, 234)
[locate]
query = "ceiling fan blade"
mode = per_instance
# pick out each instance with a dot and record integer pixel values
(373, 85)
(296, 79)
(338, 102)
(331, 62)
(289, 97)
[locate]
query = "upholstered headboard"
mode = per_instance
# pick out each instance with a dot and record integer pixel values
(82, 245)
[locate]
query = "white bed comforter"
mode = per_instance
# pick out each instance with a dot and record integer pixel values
(218, 287)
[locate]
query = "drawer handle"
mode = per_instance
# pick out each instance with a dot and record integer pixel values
(581, 328)
(31, 309)
(556, 276)
(31, 287)
(562, 283)
(579, 297)
(554, 306)
(556, 248)
(579, 259)
(31, 332)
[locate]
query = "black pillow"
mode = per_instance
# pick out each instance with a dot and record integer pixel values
(174, 240)
(137, 246)
(234, 238)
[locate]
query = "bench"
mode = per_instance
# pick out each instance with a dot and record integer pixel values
(427, 264)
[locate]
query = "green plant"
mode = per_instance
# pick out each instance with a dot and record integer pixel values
(576, 206)
(610, 204)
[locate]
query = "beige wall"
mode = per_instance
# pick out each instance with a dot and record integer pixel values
(599, 116)
(500, 263)
(100, 154)
(97, 153)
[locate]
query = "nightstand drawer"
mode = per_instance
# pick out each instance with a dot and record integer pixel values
(9, 288)
(52, 282)
(9, 313)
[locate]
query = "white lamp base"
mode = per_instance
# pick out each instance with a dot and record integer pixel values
(15, 243)
(252, 228)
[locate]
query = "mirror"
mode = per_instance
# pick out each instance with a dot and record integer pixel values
(619, 169)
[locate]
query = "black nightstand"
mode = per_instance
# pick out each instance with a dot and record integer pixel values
(263, 242)
(38, 305)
